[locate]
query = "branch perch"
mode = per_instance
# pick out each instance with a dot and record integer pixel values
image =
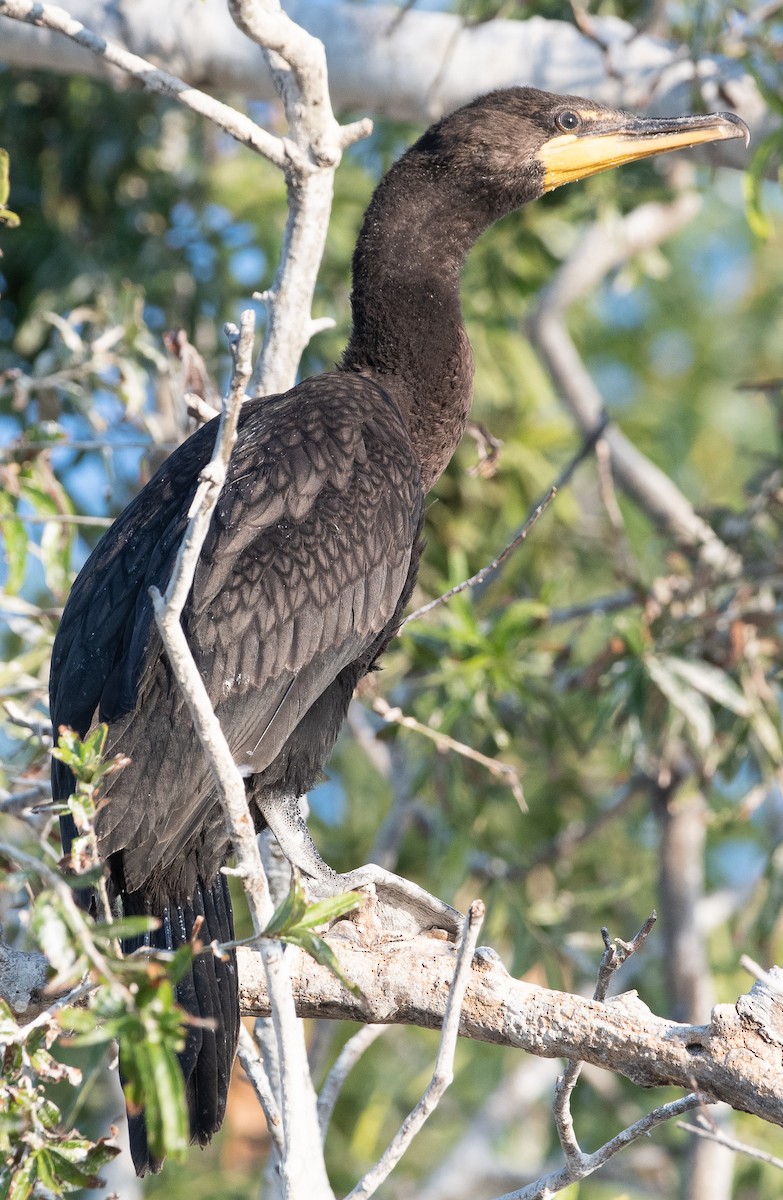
(735, 1058)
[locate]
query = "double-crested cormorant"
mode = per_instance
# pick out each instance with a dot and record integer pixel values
(313, 549)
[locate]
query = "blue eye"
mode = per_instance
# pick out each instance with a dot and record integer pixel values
(568, 121)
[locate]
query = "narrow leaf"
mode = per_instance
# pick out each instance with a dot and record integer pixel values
(15, 543)
(717, 685)
(323, 953)
(5, 177)
(690, 703)
(126, 927)
(323, 911)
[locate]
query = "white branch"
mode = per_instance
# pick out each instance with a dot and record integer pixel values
(168, 611)
(253, 1066)
(444, 1063)
(413, 65)
(721, 1139)
(346, 1060)
(298, 65)
(582, 1165)
(155, 79)
(605, 246)
(735, 1058)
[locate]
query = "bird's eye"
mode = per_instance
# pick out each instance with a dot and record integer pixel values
(568, 121)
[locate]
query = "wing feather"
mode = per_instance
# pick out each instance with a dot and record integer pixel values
(303, 569)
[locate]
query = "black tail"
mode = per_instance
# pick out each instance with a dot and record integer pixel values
(209, 991)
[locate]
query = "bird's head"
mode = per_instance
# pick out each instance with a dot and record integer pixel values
(518, 143)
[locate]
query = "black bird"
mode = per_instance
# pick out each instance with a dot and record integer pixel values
(313, 549)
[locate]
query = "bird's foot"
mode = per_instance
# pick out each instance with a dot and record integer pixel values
(396, 907)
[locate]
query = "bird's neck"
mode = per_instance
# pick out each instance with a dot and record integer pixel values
(408, 331)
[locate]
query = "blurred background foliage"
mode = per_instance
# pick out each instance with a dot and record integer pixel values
(136, 218)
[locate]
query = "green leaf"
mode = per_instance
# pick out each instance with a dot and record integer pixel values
(296, 913)
(690, 703)
(85, 759)
(126, 927)
(295, 919)
(322, 952)
(23, 1179)
(324, 911)
(180, 963)
(65, 1171)
(5, 177)
(710, 681)
(92, 1155)
(290, 910)
(54, 933)
(154, 1082)
(15, 542)
(6, 216)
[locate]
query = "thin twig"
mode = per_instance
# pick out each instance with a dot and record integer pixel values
(519, 537)
(444, 1063)
(168, 611)
(253, 1066)
(715, 1135)
(557, 1181)
(616, 952)
(55, 518)
(590, 608)
(297, 1097)
(17, 802)
(297, 62)
(346, 1060)
(774, 984)
(280, 151)
(44, 1018)
(504, 771)
(487, 570)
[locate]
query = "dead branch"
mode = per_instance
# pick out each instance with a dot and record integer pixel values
(604, 247)
(736, 1057)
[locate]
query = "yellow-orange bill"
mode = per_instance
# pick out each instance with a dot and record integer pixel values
(606, 141)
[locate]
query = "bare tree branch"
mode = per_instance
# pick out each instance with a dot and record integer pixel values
(503, 771)
(298, 65)
(734, 1058)
(413, 65)
(585, 1164)
(443, 1074)
(713, 1134)
(606, 245)
(346, 1060)
(486, 573)
(301, 1163)
(155, 79)
(253, 1066)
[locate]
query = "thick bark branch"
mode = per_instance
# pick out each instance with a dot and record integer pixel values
(735, 1058)
(411, 65)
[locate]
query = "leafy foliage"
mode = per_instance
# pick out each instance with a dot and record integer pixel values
(35, 1152)
(295, 921)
